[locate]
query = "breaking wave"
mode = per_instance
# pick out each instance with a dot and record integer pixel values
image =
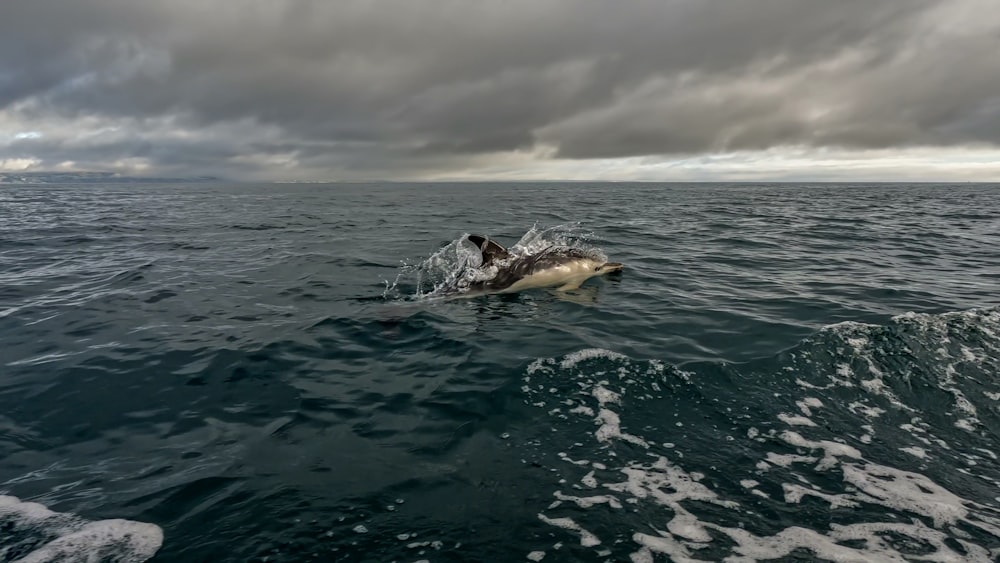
(863, 442)
(31, 533)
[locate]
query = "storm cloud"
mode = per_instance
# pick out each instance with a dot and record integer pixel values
(307, 89)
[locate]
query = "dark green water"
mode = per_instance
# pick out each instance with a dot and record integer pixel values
(781, 371)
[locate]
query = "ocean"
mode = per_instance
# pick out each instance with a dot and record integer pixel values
(243, 372)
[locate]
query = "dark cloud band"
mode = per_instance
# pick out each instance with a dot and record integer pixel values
(363, 87)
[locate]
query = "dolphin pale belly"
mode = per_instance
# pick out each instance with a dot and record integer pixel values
(562, 267)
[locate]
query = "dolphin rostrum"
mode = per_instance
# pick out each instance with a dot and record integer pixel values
(562, 267)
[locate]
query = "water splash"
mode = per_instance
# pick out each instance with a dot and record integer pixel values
(564, 235)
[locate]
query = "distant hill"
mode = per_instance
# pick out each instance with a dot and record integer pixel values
(90, 178)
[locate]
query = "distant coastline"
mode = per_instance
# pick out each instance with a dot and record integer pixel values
(57, 178)
(90, 178)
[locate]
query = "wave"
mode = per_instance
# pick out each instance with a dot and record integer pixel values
(34, 534)
(862, 442)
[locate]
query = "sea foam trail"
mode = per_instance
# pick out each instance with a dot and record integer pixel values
(31, 533)
(844, 444)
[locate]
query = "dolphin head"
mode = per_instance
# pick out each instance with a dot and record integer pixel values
(609, 268)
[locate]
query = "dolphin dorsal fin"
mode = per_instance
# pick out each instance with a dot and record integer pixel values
(490, 250)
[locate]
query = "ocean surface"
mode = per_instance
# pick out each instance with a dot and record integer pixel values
(271, 373)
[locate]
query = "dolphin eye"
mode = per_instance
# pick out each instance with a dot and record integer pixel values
(597, 268)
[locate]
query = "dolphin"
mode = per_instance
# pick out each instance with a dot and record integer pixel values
(562, 267)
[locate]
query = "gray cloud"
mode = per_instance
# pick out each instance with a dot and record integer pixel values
(302, 88)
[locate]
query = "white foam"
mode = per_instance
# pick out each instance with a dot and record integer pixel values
(967, 424)
(673, 549)
(794, 494)
(27, 511)
(905, 491)
(587, 502)
(587, 539)
(915, 451)
(128, 541)
(567, 459)
(832, 450)
(537, 365)
(806, 385)
(571, 360)
(782, 544)
(609, 420)
(665, 483)
(687, 526)
(807, 403)
(864, 410)
(53, 536)
(611, 429)
(604, 396)
(536, 555)
(795, 420)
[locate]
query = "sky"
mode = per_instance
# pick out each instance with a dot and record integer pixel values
(668, 90)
